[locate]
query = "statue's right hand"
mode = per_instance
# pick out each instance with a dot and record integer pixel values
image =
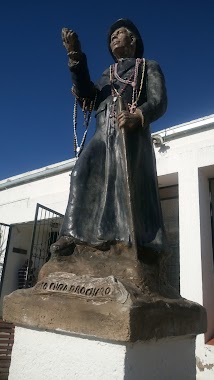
(70, 40)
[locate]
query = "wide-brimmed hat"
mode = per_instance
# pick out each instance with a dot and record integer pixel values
(124, 22)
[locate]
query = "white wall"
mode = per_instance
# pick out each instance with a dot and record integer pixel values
(41, 355)
(18, 204)
(20, 238)
(192, 158)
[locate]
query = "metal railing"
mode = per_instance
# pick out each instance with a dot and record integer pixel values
(46, 228)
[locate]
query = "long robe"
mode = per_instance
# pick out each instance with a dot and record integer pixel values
(98, 212)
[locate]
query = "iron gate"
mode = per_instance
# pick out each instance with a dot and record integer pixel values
(47, 224)
(5, 231)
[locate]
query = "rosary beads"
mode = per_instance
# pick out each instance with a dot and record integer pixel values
(131, 81)
(87, 110)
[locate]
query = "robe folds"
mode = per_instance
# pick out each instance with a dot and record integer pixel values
(98, 213)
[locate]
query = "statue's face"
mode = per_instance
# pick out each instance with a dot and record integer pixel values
(122, 44)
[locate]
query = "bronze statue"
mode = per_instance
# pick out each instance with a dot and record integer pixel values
(105, 207)
(113, 223)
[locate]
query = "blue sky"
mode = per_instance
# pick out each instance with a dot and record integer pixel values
(36, 105)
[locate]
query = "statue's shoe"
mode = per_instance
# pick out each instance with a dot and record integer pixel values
(62, 247)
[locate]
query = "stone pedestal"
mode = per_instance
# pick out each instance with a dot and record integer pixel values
(130, 334)
(41, 355)
(102, 308)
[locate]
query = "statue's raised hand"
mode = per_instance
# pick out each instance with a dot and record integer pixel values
(71, 41)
